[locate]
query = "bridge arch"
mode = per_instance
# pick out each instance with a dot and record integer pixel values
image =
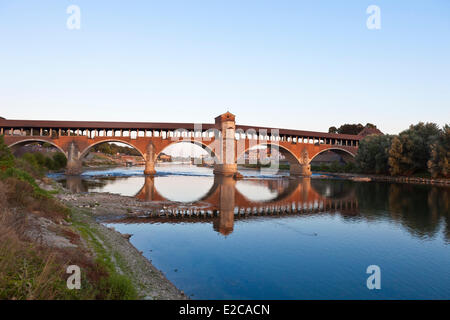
(288, 154)
(31, 140)
(88, 148)
(341, 150)
(201, 144)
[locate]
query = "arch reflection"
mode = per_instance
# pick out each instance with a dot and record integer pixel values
(224, 203)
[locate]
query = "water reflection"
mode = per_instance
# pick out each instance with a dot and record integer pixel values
(422, 210)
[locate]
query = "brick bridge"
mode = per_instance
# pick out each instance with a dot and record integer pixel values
(225, 141)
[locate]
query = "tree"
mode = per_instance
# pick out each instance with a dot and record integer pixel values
(60, 160)
(373, 154)
(411, 149)
(6, 157)
(333, 130)
(350, 128)
(438, 165)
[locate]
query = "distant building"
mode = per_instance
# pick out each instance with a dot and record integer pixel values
(164, 157)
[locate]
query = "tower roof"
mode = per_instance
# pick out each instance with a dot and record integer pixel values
(227, 116)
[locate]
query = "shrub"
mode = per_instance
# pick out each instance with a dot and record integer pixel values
(411, 149)
(59, 160)
(439, 165)
(373, 154)
(6, 157)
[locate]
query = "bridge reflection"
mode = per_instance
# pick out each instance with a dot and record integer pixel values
(224, 203)
(423, 215)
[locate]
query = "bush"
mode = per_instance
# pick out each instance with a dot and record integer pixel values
(438, 165)
(373, 154)
(6, 157)
(38, 161)
(59, 160)
(411, 149)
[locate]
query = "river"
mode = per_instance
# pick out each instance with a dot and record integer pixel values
(270, 237)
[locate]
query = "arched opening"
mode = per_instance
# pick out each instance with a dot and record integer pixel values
(188, 152)
(40, 154)
(333, 160)
(111, 153)
(267, 156)
(34, 145)
(180, 166)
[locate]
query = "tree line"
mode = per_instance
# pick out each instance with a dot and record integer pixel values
(423, 148)
(113, 149)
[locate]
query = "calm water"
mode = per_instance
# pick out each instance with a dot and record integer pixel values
(272, 237)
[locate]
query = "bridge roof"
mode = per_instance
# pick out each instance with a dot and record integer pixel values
(302, 133)
(98, 125)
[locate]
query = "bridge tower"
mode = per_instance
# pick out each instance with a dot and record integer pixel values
(226, 125)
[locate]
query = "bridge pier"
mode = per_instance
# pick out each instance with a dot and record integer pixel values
(300, 170)
(74, 164)
(150, 159)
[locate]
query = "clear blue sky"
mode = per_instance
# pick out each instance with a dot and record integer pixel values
(293, 64)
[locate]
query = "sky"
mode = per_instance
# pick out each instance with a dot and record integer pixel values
(304, 65)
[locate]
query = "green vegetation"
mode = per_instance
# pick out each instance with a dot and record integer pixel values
(350, 128)
(38, 160)
(32, 270)
(115, 286)
(373, 154)
(411, 149)
(440, 154)
(112, 149)
(421, 150)
(336, 167)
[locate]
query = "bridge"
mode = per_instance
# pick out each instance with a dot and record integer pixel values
(224, 140)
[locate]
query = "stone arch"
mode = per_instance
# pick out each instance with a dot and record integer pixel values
(86, 150)
(333, 149)
(201, 144)
(31, 140)
(290, 156)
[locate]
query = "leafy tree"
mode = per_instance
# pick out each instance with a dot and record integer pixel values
(411, 149)
(371, 125)
(60, 160)
(438, 165)
(350, 128)
(333, 130)
(6, 157)
(373, 154)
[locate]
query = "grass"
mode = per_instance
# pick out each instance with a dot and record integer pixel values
(115, 285)
(32, 270)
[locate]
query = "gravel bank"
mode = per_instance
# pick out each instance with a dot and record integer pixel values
(89, 209)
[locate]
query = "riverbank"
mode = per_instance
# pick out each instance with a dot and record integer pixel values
(374, 177)
(150, 283)
(87, 211)
(41, 235)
